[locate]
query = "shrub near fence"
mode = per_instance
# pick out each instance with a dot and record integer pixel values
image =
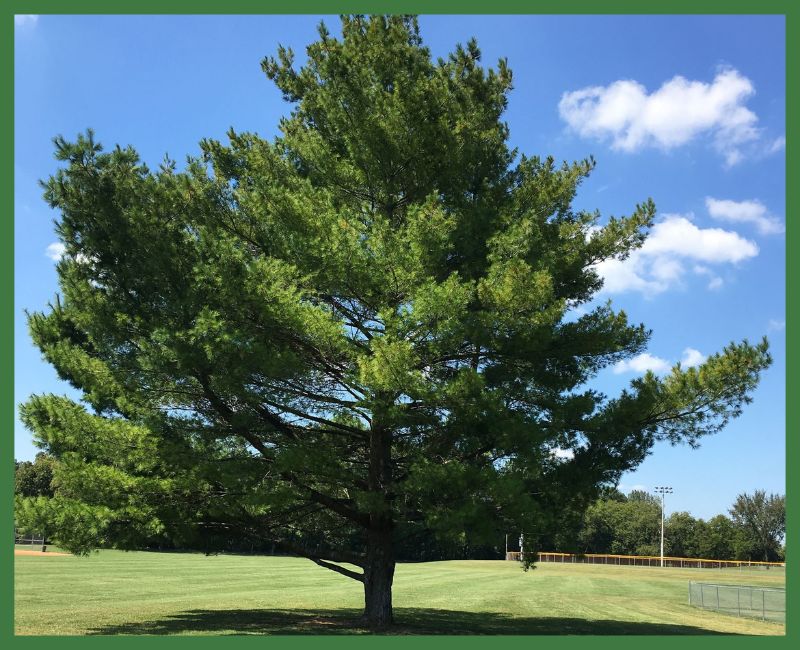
(649, 560)
(766, 603)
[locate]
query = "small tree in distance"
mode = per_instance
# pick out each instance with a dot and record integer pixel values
(35, 478)
(762, 522)
(644, 497)
(716, 538)
(351, 334)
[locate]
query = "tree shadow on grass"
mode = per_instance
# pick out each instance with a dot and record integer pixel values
(408, 620)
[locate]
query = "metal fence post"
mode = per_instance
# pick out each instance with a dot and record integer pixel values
(763, 609)
(738, 602)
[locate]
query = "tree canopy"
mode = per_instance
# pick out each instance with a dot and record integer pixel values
(355, 333)
(32, 479)
(762, 519)
(624, 527)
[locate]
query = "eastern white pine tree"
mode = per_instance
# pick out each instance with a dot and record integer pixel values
(350, 333)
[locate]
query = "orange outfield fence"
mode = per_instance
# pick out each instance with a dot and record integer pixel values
(647, 560)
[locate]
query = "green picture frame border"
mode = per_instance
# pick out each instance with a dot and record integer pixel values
(8, 8)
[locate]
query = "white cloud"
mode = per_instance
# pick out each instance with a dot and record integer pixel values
(55, 251)
(675, 114)
(715, 282)
(629, 275)
(659, 264)
(562, 454)
(752, 211)
(778, 144)
(666, 269)
(642, 363)
(677, 235)
(776, 325)
(692, 358)
(22, 20)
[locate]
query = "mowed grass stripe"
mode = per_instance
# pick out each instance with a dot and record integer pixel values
(115, 592)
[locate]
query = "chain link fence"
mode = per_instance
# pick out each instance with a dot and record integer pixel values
(765, 603)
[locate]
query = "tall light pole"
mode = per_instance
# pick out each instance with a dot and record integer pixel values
(662, 490)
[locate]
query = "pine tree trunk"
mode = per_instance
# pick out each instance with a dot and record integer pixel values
(379, 567)
(378, 578)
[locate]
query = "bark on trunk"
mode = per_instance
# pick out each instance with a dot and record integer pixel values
(379, 567)
(378, 578)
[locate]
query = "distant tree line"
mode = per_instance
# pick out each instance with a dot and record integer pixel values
(616, 523)
(754, 528)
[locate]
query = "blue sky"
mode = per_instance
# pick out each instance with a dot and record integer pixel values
(688, 110)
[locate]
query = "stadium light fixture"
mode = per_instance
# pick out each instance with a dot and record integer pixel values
(662, 490)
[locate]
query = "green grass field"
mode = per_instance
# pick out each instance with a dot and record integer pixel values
(114, 592)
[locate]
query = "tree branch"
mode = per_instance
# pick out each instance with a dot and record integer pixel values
(339, 569)
(299, 550)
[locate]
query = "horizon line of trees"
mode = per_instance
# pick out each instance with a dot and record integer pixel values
(616, 523)
(619, 524)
